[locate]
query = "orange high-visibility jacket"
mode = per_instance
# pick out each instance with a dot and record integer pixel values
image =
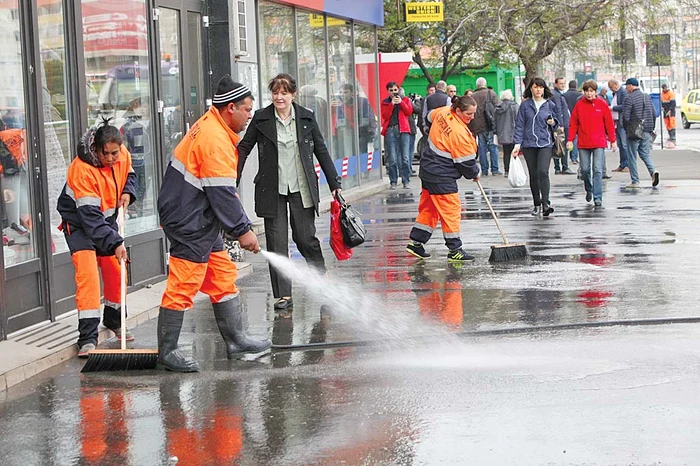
(451, 149)
(88, 202)
(198, 197)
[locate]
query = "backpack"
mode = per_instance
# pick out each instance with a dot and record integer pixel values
(489, 113)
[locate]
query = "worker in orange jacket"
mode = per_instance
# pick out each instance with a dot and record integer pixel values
(668, 105)
(449, 155)
(100, 181)
(197, 200)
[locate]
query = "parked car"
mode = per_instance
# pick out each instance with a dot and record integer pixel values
(690, 108)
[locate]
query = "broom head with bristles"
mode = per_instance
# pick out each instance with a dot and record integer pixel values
(507, 252)
(121, 360)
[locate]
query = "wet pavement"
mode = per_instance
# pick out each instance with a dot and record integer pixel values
(438, 391)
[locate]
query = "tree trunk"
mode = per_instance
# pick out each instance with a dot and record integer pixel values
(419, 61)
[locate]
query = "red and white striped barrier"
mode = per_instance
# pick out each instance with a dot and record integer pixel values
(317, 167)
(345, 168)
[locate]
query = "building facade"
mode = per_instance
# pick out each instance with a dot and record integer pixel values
(149, 66)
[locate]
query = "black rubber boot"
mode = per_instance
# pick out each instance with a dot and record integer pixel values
(169, 356)
(229, 318)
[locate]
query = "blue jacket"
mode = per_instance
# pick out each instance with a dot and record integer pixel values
(564, 110)
(531, 128)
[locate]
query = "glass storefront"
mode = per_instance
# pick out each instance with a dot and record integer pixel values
(312, 74)
(368, 113)
(16, 216)
(276, 45)
(117, 71)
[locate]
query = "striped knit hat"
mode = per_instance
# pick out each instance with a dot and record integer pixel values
(230, 91)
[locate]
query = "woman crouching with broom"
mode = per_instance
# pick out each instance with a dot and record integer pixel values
(449, 155)
(100, 181)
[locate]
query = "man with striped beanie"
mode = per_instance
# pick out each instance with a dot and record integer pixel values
(198, 200)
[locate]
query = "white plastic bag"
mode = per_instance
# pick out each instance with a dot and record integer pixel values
(516, 173)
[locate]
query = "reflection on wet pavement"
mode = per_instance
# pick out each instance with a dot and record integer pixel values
(404, 402)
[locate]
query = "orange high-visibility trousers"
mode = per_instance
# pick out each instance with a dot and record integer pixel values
(443, 207)
(670, 123)
(87, 282)
(216, 278)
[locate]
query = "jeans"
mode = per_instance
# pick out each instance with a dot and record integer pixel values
(574, 152)
(621, 136)
(564, 160)
(398, 154)
(486, 146)
(643, 148)
(538, 159)
(593, 181)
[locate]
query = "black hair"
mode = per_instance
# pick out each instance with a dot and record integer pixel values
(348, 87)
(573, 84)
(283, 81)
(107, 133)
(462, 102)
(391, 84)
(430, 86)
(539, 82)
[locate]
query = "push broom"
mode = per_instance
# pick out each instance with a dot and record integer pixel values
(121, 359)
(506, 251)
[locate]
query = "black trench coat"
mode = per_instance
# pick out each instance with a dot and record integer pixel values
(262, 131)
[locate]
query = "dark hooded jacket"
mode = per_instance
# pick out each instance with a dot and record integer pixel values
(506, 113)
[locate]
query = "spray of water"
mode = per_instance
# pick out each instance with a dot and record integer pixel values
(363, 312)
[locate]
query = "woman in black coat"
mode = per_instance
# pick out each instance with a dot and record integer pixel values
(288, 137)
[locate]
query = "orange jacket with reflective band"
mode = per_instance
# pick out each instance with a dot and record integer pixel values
(198, 197)
(451, 149)
(89, 200)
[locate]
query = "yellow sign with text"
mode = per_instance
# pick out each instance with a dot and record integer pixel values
(423, 12)
(316, 21)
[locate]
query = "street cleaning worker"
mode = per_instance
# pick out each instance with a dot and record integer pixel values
(668, 106)
(198, 200)
(449, 155)
(100, 180)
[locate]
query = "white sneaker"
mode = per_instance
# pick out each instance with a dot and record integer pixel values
(632, 186)
(85, 349)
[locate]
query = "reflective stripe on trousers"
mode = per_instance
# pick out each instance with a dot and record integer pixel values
(443, 207)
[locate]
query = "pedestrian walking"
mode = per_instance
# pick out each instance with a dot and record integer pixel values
(506, 113)
(617, 106)
(534, 128)
(571, 96)
(100, 181)
(449, 155)
(287, 191)
(561, 166)
(668, 105)
(197, 200)
(591, 121)
(396, 130)
(638, 110)
(483, 126)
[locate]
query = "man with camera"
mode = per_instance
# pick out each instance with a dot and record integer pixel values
(396, 130)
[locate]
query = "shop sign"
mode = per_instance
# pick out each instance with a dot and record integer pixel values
(423, 12)
(316, 21)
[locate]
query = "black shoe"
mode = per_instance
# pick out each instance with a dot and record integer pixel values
(169, 356)
(536, 210)
(418, 251)
(229, 319)
(458, 255)
(655, 179)
(589, 196)
(557, 172)
(547, 210)
(598, 203)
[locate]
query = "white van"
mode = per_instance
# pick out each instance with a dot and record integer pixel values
(652, 85)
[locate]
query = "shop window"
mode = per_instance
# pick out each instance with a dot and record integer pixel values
(311, 49)
(368, 113)
(276, 45)
(56, 112)
(115, 40)
(16, 215)
(341, 77)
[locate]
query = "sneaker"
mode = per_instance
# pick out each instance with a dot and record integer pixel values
(417, 250)
(128, 336)
(536, 210)
(606, 176)
(547, 210)
(633, 185)
(505, 174)
(557, 172)
(598, 203)
(85, 349)
(619, 169)
(458, 255)
(567, 172)
(589, 196)
(392, 186)
(496, 173)
(406, 186)
(574, 162)
(655, 179)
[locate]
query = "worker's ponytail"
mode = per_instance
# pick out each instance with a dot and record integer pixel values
(106, 133)
(462, 102)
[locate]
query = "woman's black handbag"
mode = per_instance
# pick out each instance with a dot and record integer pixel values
(351, 224)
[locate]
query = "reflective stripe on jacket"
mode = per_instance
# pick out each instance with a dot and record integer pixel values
(198, 197)
(89, 200)
(451, 149)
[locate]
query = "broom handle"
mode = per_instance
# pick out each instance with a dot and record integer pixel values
(122, 286)
(493, 214)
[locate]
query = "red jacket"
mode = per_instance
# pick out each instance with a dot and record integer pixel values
(592, 121)
(405, 111)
